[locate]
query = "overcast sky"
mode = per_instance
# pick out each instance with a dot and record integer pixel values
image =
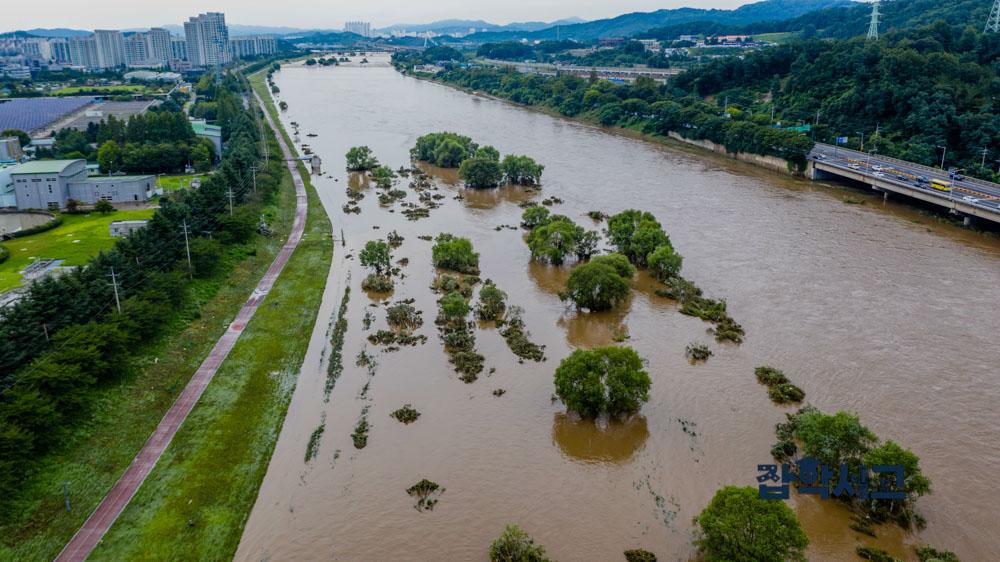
(121, 14)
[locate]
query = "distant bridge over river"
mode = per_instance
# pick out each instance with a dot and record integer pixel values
(969, 198)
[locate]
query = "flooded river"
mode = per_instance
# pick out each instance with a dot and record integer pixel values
(871, 308)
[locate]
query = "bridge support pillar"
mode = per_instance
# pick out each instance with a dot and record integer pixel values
(968, 220)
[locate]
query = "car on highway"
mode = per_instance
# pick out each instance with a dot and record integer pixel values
(879, 175)
(970, 199)
(854, 166)
(877, 168)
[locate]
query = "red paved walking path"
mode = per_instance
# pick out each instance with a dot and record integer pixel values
(95, 527)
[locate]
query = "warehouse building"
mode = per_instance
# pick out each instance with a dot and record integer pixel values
(48, 184)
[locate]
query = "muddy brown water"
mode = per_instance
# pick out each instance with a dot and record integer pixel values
(871, 308)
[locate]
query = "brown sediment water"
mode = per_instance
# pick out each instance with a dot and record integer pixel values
(872, 308)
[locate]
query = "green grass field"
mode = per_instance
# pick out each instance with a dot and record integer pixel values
(76, 240)
(111, 90)
(780, 37)
(173, 183)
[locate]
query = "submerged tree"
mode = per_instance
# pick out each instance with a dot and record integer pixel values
(361, 159)
(595, 286)
(607, 380)
(522, 170)
(739, 526)
(454, 253)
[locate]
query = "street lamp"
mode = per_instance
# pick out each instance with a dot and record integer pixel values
(944, 150)
(862, 133)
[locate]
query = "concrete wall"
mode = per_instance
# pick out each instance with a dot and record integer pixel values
(39, 191)
(774, 163)
(124, 190)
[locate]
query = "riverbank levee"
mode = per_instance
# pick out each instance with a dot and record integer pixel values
(860, 302)
(259, 372)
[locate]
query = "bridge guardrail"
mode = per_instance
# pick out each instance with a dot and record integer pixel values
(928, 169)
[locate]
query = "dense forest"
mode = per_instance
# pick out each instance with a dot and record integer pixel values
(909, 93)
(644, 105)
(67, 339)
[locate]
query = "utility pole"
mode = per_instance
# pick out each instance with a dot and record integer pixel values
(114, 283)
(944, 150)
(45, 330)
(983, 163)
(253, 172)
(187, 246)
(229, 192)
(875, 19)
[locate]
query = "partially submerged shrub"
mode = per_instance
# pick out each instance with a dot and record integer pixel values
(875, 554)
(639, 555)
(697, 352)
(377, 283)
(426, 492)
(407, 414)
(514, 545)
(779, 389)
(492, 302)
(770, 375)
(785, 393)
(360, 434)
(404, 316)
(456, 254)
(516, 336)
(929, 554)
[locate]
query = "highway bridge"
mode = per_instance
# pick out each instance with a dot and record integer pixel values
(969, 198)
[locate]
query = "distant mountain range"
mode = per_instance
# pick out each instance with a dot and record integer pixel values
(447, 27)
(627, 25)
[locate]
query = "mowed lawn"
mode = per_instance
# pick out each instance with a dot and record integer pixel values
(76, 240)
(173, 183)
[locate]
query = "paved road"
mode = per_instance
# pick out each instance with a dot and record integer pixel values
(97, 525)
(972, 192)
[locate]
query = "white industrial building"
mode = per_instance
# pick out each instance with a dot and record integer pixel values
(49, 184)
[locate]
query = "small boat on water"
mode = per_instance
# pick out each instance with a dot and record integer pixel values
(312, 135)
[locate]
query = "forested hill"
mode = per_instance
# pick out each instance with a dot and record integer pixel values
(627, 25)
(923, 88)
(845, 21)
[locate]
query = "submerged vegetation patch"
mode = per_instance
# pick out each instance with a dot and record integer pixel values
(427, 493)
(336, 365)
(697, 352)
(516, 336)
(312, 448)
(407, 414)
(458, 337)
(779, 389)
(360, 434)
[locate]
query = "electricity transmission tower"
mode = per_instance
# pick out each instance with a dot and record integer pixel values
(993, 22)
(876, 18)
